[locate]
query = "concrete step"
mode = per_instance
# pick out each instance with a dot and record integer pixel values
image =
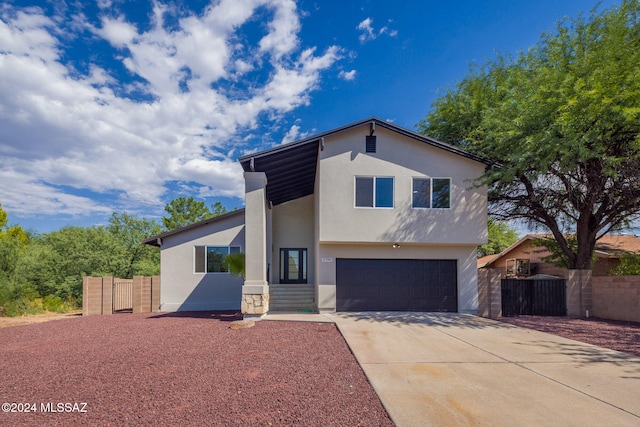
(292, 295)
(292, 298)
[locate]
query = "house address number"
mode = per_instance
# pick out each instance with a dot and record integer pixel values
(327, 259)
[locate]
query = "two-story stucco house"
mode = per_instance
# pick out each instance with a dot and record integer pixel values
(366, 217)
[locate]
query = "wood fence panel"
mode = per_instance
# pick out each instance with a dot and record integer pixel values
(122, 295)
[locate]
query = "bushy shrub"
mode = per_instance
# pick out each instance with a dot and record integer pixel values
(629, 265)
(23, 306)
(53, 303)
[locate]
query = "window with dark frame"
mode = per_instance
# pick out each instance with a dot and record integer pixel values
(210, 259)
(374, 192)
(433, 193)
(293, 265)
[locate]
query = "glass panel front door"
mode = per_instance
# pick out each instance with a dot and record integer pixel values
(293, 265)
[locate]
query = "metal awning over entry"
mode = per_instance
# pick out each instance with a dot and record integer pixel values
(290, 170)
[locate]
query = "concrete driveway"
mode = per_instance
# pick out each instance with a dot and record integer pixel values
(451, 369)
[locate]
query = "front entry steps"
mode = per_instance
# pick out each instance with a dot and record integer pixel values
(292, 298)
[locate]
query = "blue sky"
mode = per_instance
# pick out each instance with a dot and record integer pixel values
(117, 105)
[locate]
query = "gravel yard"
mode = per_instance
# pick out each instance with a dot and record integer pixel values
(192, 369)
(613, 334)
(182, 369)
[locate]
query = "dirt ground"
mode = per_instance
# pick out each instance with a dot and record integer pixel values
(39, 318)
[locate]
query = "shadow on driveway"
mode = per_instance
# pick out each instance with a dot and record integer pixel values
(430, 319)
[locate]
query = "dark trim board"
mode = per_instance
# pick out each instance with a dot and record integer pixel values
(396, 285)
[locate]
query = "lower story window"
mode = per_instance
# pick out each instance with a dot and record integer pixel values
(293, 265)
(210, 259)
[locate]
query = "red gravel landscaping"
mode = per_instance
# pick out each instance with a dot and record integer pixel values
(182, 369)
(612, 334)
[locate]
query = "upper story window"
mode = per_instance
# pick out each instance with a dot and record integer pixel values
(210, 259)
(374, 192)
(434, 193)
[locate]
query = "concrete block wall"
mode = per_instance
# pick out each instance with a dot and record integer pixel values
(489, 293)
(146, 294)
(97, 296)
(579, 292)
(617, 297)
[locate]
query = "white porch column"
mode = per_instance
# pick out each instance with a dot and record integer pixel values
(255, 291)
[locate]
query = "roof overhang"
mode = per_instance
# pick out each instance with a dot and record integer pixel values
(290, 169)
(157, 240)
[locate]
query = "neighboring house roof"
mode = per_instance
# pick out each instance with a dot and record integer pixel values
(157, 240)
(483, 261)
(608, 246)
(612, 243)
(291, 168)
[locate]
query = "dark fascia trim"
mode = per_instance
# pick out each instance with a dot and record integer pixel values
(376, 121)
(157, 240)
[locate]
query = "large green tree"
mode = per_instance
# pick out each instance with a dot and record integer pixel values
(218, 209)
(81, 251)
(184, 211)
(134, 258)
(501, 236)
(13, 244)
(562, 123)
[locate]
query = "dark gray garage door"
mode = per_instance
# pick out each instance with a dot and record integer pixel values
(396, 285)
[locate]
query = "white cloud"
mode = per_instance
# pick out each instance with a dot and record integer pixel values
(117, 32)
(369, 33)
(104, 4)
(25, 195)
(60, 127)
(367, 30)
(282, 37)
(347, 75)
(294, 134)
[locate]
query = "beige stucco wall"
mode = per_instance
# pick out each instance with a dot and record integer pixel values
(293, 227)
(403, 158)
(465, 255)
(185, 290)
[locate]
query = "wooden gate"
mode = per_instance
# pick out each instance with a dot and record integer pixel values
(123, 296)
(539, 297)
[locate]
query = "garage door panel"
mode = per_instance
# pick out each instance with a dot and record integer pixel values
(398, 285)
(433, 291)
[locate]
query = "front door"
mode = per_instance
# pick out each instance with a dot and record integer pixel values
(293, 265)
